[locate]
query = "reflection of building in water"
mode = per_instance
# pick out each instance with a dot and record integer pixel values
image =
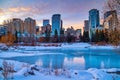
(57, 61)
(46, 61)
(101, 61)
(52, 61)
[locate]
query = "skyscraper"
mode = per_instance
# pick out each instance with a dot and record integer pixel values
(29, 29)
(30, 26)
(94, 21)
(56, 23)
(86, 25)
(46, 22)
(15, 25)
(18, 25)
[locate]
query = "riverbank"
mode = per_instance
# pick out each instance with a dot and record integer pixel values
(69, 46)
(61, 46)
(25, 71)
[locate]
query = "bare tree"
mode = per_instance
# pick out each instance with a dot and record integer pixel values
(5, 70)
(114, 35)
(111, 5)
(8, 70)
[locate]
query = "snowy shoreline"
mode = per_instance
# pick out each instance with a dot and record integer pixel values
(62, 74)
(80, 46)
(22, 73)
(77, 46)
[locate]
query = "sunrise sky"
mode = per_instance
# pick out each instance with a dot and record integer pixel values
(73, 12)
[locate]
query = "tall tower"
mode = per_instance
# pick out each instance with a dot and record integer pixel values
(94, 21)
(30, 29)
(86, 25)
(30, 26)
(56, 24)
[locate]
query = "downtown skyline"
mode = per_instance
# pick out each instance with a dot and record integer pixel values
(73, 13)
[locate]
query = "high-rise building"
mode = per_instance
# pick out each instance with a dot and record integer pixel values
(56, 23)
(18, 26)
(46, 22)
(3, 30)
(110, 20)
(15, 25)
(86, 25)
(94, 21)
(78, 34)
(44, 28)
(30, 26)
(29, 30)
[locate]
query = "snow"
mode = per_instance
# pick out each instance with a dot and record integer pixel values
(100, 75)
(34, 50)
(43, 74)
(102, 47)
(63, 46)
(22, 53)
(79, 46)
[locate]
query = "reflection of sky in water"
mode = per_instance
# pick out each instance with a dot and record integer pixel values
(73, 59)
(77, 63)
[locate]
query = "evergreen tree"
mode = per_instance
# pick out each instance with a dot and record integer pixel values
(102, 36)
(85, 36)
(47, 35)
(16, 35)
(62, 37)
(106, 35)
(93, 37)
(69, 38)
(97, 36)
(56, 36)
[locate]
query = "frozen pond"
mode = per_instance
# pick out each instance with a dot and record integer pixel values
(71, 59)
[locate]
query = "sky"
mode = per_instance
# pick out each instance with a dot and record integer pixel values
(73, 12)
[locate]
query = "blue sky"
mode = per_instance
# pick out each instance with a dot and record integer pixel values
(73, 12)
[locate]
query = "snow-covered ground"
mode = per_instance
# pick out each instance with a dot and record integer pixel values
(59, 74)
(55, 74)
(34, 50)
(69, 46)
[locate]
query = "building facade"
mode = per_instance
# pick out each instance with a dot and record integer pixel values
(18, 26)
(46, 22)
(56, 24)
(14, 26)
(86, 25)
(3, 30)
(30, 27)
(44, 28)
(29, 30)
(94, 21)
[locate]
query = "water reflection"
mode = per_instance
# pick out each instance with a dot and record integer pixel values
(74, 59)
(112, 61)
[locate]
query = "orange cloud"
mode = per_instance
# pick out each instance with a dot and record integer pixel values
(1, 12)
(20, 9)
(101, 21)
